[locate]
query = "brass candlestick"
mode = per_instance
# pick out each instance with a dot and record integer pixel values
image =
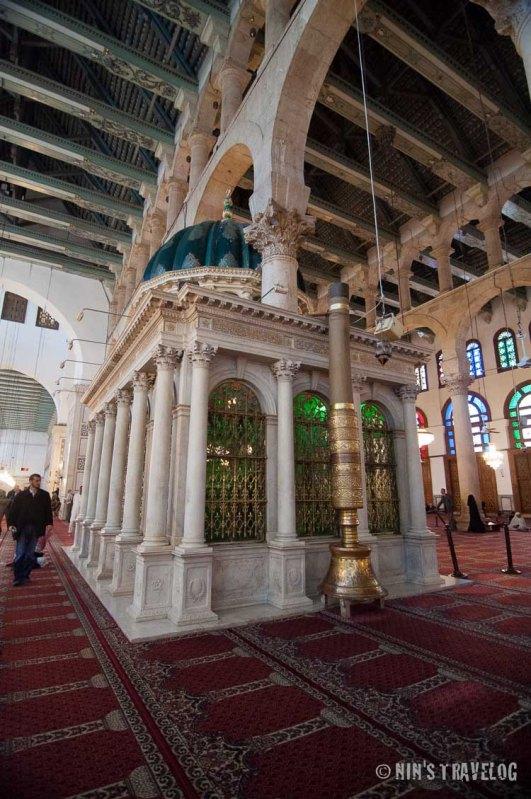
(350, 576)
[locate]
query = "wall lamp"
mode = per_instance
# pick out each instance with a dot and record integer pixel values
(77, 379)
(81, 314)
(73, 360)
(87, 340)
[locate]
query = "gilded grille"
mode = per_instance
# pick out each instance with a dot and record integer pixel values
(382, 493)
(314, 512)
(236, 465)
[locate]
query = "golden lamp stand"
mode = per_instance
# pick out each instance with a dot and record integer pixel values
(350, 578)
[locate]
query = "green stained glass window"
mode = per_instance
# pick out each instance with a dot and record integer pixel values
(314, 512)
(380, 471)
(520, 416)
(505, 344)
(236, 465)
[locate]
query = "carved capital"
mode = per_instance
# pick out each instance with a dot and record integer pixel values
(99, 419)
(492, 222)
(109, 409)
(457, 384)
(358, 380)
(276, 231)
(124, 396)
(285, 368)
(166, 357)
(142, 381)
(91, 426)
(407, 393)
(202, 353)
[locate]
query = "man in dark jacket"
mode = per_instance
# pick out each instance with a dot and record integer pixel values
(30, 516)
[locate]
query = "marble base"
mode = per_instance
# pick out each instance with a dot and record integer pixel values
(124, 567)
(420, 550)
(192, 587)
(106, 554)
(78, 535)
(153, 583)
(94, 545)
(85, 538)
(287, 575)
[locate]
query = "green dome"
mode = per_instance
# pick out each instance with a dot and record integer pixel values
(210, 244)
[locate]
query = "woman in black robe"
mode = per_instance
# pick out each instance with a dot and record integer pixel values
(476, 523)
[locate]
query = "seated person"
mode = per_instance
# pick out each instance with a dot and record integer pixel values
(518, 522)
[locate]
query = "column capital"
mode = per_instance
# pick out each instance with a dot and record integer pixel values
(277, 231)
(200, 138)
(233, 71)
(124, 396)
(285, 368)
(109, 409)
(407, 393)
(91, 425)
(493, 221)
(142, 381)
(458, 384)
(174, 182)
(99, 419)
(358, 380)
(166, 357)
(202, 353)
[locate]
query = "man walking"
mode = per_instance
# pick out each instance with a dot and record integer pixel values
(30, 517)
(447, 504)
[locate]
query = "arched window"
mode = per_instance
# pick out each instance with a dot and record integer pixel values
(440, 372)
(475, 358)
(518, 409)
(505, 348)
(421, 376)
(315, 514)
(479, 416)
(422, 421)
(382, 492)
(236, 465)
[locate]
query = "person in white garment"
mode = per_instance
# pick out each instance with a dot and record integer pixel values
(518, 522)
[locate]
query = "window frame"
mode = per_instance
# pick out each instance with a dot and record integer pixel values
(496, 339)
(423, 371)
(473, 342)
(440, 371)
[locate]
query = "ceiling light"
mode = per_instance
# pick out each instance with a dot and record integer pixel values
(492, 457)
(6, 478)
(425, 436)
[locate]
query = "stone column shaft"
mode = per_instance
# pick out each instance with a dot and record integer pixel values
(232, 80)
(104, 475)
(85, 486)
(194, 510)
(404, 276)
(444, 267)
(201, 144)
(417, 504)
(119, 455)
(157, 229)
(285, 371)
(490, 228)
(99, 420)
(157, 497)
(467, 467)
(177, 190)
(135, 457)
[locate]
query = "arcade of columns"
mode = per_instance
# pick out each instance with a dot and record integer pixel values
(194, 177)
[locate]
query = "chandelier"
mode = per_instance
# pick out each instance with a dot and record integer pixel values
(6, 478)
(492, 457)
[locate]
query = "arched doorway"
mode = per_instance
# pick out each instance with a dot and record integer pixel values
(380, 471)
(422, 421)
(314, 512)
(235, 506)
(479, 413)
(518, 411)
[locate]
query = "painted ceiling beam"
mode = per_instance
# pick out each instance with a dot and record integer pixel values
(364, 230)
(91, 161)
(104, 117)
(357, 175)
(421, 54)
(66, 31)
(32, 237)
(69, 192)
(346, 100)
(55, 260)
(472, 237)
(31, 212)
(205, 18)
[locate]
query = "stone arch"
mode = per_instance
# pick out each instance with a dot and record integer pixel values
(388, 403)
(419, 319)
(227, 173)
(253, 379)
(304, 382)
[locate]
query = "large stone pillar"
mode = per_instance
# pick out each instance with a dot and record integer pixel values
(99, 421)
(513, 18)
(152, 589)
(490, 227)
(192, 582)
(467, 468)
(420, 543)
(277, 233)
(404, 275)
(287, 559)
(116, 486)
(124, 557)
(78, 533)
(201, 144)
(232, 82)
(139, 260)
(277, 17)
(177, 191)
(157, 229)
(104, 477)
(444, 268)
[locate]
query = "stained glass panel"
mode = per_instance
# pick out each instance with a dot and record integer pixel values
(236, 460)
(314, 511)
(421, 376)
(520, 416)
(479, 415)
(475, 359)
(506, 349)
(382, 491)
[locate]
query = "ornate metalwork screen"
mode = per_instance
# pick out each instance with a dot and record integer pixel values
(382, 492)
(315, 514)
(236, 465)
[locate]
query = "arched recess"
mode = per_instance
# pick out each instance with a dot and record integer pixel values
(257, 381)
(383, 509)
(226, 175)
(235, 504)
(517, 410)
(479, 413)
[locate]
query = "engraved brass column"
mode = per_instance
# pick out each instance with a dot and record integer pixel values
(350, 577)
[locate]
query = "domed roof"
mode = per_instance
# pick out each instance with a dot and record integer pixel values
(207, 244)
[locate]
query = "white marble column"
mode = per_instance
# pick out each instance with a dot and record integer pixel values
(152, 589)
(116, 486)
(124, 557)
(467, 467)
(490, 227)
(177, 190)
(99, 421)
(192, 583)
(139, 260)
(78, 534)
(271, 475)
(103, 483)
(232, 79)
(277, 233)
(287, 557)
(201, 144)
(444, 268)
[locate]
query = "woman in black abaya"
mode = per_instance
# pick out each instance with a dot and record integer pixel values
(476, 523)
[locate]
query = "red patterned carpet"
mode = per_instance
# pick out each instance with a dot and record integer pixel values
(303, 708)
